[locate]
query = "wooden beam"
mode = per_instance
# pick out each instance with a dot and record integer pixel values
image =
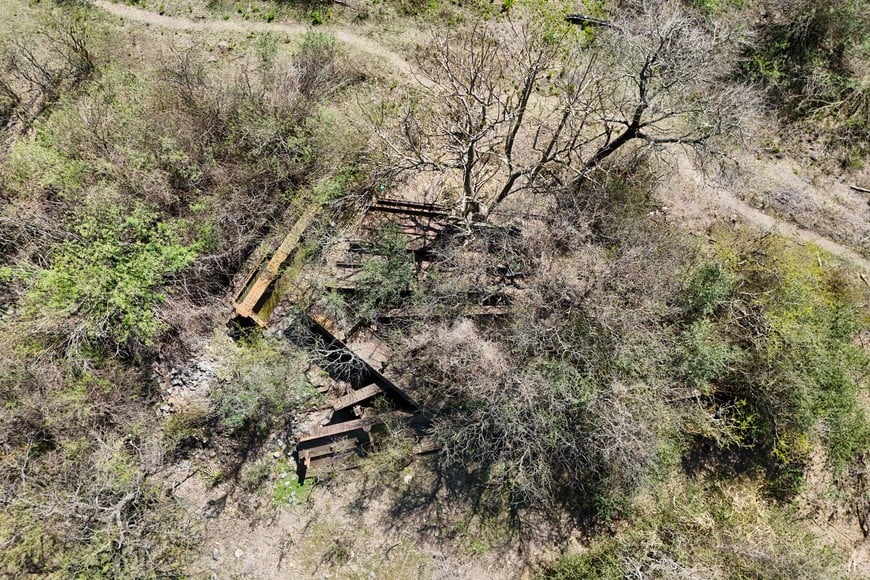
(356, 397)
(245, 305)
(370, 349)
(329, 449)
(338, 429)
(364, 424)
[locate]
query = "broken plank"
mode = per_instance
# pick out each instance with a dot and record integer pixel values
(356, 397)
(329, 449)
(338, 429)
(356, 424)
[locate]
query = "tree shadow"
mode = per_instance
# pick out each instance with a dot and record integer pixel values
(704, 458)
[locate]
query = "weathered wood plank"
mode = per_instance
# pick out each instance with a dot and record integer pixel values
(270, 272)
(356, 397)
(329, 449)
(371, 349)
(356, 424)
(338, 429)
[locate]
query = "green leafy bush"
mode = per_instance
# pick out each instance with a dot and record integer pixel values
(785, 362)
(387, 278)
(111, 273)
(708, 288)
(259, 385)
(704, 357)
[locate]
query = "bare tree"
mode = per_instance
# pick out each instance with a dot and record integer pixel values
(34, 71)
(528, 108)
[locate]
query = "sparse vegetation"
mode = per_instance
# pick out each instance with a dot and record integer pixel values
(813, 58)
(258, 385)
(583, 362)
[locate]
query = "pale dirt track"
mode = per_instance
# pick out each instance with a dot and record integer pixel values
(693, 198)
(390, 59)
(721, 198)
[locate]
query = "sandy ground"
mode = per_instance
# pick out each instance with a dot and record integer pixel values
(355, 525)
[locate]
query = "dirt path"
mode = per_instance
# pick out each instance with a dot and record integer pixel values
(392, 61)
(706, 199)
(700, 201)
(760, 220)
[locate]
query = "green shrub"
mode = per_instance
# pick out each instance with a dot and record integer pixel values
(259, 385)
(387, 278)
(254, 476)
(600, 562)
(319, 17)
(704, 357)
(708, 288)
(713, 529)
(812, 56)
(111, 273)
(186, 424)
(793, 316)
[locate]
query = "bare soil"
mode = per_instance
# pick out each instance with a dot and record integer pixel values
(353, 525)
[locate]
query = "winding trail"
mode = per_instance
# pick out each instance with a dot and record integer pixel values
(392, 61)
(710, 199)
(765, 222)
(725, 200)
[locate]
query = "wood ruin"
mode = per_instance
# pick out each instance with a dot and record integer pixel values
(360, 397)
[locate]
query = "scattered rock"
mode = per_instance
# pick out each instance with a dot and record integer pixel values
(215, 554)
(239, 554)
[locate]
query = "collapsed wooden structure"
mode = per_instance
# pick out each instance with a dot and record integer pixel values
(348, 418)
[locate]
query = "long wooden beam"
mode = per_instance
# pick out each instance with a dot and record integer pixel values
(247, 301)
(333, 430)
(364, 424)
